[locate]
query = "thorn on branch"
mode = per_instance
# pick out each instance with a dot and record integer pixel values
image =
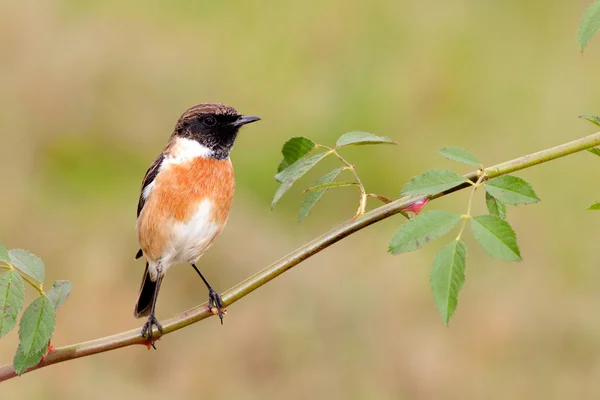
(416, 207)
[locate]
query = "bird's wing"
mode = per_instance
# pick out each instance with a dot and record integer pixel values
(148, 179)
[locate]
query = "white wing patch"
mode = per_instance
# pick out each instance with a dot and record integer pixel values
(148, 189)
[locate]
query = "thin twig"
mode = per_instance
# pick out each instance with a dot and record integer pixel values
(311, 248)
(362, 206)
(383, 199)
(467, 216)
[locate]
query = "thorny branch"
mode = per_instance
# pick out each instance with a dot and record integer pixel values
(309, 249)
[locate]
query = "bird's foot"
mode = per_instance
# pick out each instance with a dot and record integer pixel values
(148, 328)
(215, 304)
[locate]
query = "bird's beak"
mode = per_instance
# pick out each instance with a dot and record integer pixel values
(245, 119)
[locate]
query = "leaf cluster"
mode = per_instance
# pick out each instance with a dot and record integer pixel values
(37, 321)
(492, 232)
(301, 154)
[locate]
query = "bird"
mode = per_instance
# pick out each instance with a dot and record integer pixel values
(184, 201)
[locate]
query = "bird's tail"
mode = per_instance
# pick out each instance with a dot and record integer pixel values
(144, 303)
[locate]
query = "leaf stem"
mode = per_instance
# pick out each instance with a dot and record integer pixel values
(25, 277)
(383, 199)
(362, 207)
(308, 250)
(33, 283)
(467, 216)
(363, 193)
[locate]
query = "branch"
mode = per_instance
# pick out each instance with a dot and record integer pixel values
(311, 248)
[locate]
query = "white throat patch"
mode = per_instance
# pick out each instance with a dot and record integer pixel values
(186, 149)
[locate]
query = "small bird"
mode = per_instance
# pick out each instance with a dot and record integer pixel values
(185, 199)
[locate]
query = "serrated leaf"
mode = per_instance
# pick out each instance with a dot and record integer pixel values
(12, 293)
(594, 150)
(433, 181)
(329, 185)
(4, 258)
(595, 206)
(511, 190)
(291, 174)
(360, 138)
(448, 276)
(35, 330)
(28, 263)
(496, 237)
(293, 150)
(314, 196)
(590, 22)
(459, 154)
(591, 118)
(495, 206)
(22, 362)
(417, 232)
(59, 293)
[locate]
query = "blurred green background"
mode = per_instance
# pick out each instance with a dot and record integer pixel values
(91, 91)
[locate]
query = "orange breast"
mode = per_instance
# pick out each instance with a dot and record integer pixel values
(178, 190)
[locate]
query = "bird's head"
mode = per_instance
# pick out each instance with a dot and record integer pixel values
(213, 125)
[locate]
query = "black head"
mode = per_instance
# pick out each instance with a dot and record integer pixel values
(213, 125)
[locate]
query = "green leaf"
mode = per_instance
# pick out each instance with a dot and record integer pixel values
(594, 150)
(314, 196)
(28, 263)
(329, 185)
(417, 232)
(591, 118)
(433, 181)
(496, 237)
(291, 174)
(495, 206)
(590, 22)
(12, 293)
(22, 362)
(595, 206)
(511, 190)
(359, 138)
(59, 293)
(459, 154)
(448, 277)
(35, 330)
(293, 150)
(4, 258)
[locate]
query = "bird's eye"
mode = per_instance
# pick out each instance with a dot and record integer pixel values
(209, 121)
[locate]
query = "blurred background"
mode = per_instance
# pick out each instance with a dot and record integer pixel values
(91, 91)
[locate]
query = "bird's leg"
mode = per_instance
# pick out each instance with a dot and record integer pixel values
(152, 321)
(214, 299)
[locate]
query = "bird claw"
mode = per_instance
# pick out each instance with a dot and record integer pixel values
(215, 304)
(148, 328)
